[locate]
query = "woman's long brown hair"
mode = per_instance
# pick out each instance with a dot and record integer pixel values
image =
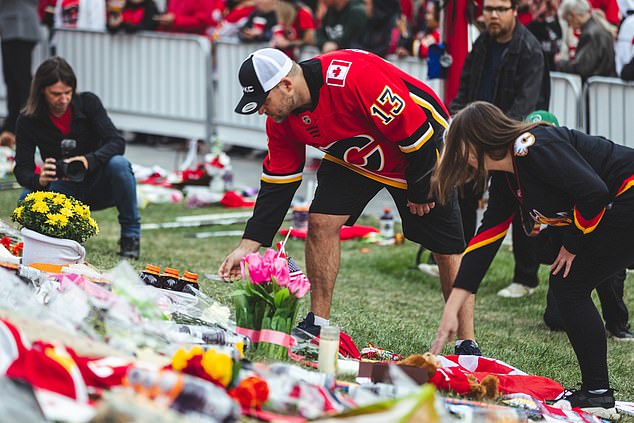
(50, 72)
(481, 128)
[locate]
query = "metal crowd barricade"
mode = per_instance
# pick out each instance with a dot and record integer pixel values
(40, 53)
(149, 82)
(610, 106)
(565, 99)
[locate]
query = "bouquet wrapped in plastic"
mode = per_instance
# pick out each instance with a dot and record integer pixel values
(267, 299)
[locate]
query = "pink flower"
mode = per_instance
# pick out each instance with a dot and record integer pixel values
(299, 286)
(259, 272)
(279, 271)
(269, 257)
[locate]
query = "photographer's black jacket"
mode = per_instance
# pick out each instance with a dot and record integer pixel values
(563, 178)
(96, 136)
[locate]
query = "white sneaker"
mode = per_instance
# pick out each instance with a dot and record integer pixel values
(516, 290)
(429, 269)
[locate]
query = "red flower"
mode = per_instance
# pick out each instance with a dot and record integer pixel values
(17, 249)
(6, 241)
(251, 392)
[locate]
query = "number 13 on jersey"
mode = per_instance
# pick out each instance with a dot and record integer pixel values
(389, 106)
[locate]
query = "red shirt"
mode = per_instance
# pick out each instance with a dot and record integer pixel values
(303, 22)
(191, 16)
(610, 8)
(63, 122)
(370, 117)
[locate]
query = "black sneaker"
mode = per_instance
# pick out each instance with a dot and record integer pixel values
(621, 333)
(601, 405)
(306, 329)
(467, 347)
(130, 247)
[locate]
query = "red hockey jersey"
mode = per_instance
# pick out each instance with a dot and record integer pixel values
(366, 115)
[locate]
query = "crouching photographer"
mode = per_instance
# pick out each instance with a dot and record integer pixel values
(81, 149)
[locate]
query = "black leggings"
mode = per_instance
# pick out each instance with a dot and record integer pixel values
(605, 252)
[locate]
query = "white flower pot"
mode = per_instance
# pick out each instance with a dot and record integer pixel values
(39, 248)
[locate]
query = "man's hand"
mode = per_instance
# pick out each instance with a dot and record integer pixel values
(420, 209)
(230, 267)
(82, 159)
(563, 261)
(448, 327)
(165, 20)
(49, 172)
(446, 331)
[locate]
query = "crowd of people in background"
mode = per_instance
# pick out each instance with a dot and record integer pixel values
(586, 37)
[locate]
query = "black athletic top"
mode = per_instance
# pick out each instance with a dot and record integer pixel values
(564, 178)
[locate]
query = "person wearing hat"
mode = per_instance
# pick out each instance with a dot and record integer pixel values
(378, 128)
(580, 186)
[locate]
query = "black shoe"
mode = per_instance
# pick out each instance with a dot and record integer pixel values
(619, 333)
(467, 347)
(601, 405)
(306, 329)
(130, 247)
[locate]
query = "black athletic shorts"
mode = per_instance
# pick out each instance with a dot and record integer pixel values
(341, 191)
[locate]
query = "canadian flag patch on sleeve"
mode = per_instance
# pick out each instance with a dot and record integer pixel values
(337, 72)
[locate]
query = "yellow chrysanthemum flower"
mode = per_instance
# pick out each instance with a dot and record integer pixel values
(218, 365)
(66, 212)
(92, 223)
(18, 212)
(58, 200)
(56, 220)
(40, 207)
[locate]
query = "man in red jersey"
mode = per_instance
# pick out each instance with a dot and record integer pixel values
(379, 128)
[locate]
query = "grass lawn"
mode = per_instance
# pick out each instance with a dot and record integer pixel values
(378, 298)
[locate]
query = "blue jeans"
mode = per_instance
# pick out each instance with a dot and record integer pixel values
(112, 185)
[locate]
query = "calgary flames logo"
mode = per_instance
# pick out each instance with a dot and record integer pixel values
(520, 148)
(562, 219)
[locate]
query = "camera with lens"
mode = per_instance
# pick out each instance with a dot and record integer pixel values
(73, 171)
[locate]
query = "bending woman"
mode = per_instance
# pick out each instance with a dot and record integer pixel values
(580, 185)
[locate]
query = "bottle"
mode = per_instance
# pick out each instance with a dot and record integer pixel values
(150, 276)
(170, 279)
(297, 374)
(215, 336)
(183, 393)
(387, 225)
(328, 349)
(190, 279)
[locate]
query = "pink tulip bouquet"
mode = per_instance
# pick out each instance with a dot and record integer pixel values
(268, 297)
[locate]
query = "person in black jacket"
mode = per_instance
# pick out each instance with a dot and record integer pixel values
(507, 68)
(54, 112)
(580, 186)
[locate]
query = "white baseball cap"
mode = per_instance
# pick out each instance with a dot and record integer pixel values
(259, 74)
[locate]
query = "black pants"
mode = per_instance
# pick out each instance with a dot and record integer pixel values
(16, 67)
(524, 248)
(525, 254)
(613, 308)
(604, 254)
